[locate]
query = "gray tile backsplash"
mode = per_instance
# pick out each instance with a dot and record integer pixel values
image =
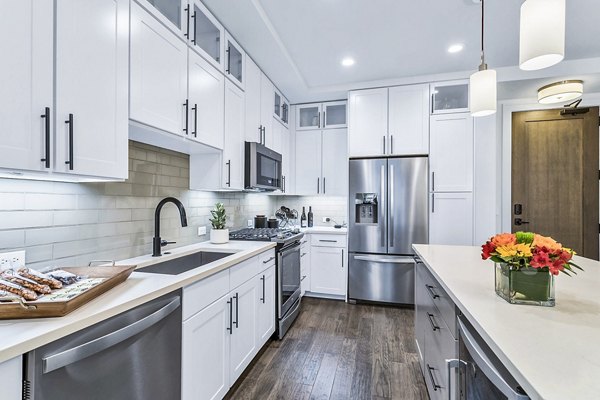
(335, 208)
(71, 224)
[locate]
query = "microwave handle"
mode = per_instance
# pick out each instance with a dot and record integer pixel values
(485, 364)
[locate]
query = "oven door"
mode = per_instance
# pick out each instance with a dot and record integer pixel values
(288, 270)
(263, 167)
(481, 375)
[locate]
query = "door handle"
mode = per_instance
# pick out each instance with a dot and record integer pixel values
(228, 163)
(385, 260)
(70, 161)
(230, 328)
(263, 285)
(46, 116)
(519, 221)
(383, 205)
(392, 205)
(186, 105)
(195, 109)
(237, 309)
(78, 353)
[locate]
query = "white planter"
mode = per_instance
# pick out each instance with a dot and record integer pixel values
(219, 236)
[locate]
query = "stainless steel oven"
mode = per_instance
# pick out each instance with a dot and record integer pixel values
(288, 286)
(262, 168)
(481, 375)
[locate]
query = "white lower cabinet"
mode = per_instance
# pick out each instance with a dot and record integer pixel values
(305, 265)
(11, 378)
(328, 270)
(221, 339)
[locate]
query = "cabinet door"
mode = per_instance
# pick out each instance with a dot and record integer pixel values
(266, 110)
(450, 97)
(253, 102)
(327, 270)
(451, 219)
(451, 153)
(309, 116)
(205, 353)
(276, 143)
(172, 13)
(243, 340)
(367, 122)
(158, 81)
(305, 265)
(278, 102)
(308, 163)
(266, 305)
(286, 154)
(409, 120)
(92, 71)
(335, 162)
(26, 27)
(235, 62)
(233, 151)
(207, 35)
(334, 114)
(206, 92)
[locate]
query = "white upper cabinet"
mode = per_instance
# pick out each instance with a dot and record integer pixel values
(308, 116)
(172, 13)
(451, 153)
(367, 122)
(334, 114)
(253, 129)
(451, 218)
(409, 120)
(266, 110)
(281, 108)
(335, 162)
(450, 97)
(308, 163)
(235, 61)
(321, 115)
(26, 103)
(158, 78)
(233, 151)
(92, 70)
(286, 154)
(206, 102)
(206, 34)
(389, 121)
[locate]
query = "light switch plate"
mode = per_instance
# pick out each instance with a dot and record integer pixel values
(13, 259)
(201, 230)
(250, 223)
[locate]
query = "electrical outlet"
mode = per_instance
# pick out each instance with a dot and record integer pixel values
(201, 230)
(326, 219)
(12, 259)
(250, 223)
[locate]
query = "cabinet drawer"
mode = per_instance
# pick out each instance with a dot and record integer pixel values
(266, 259)
(243, 271)
(200, 294)
(324, 240)
(439, 297)
(440, 346)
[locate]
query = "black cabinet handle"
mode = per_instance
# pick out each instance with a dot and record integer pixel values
(263, 283)
(384, 145)
(264, 132)
(319, 119)
(187, 18)
(228, 51)
(391, 144)
(327, 241)
(433, 181)
(260, 134)
(324, 191)
(46, 116)
(230, 328)
(70, 161)
(195, 109)
(342, 258)
(324, 120)
(194, 31)
(432, 322)
(433, 294)
(318, 185)
(432, 202)
(435, 385)
(228, 163)
(269, 260)
(283, 184)
(237, 309)
(186, 105)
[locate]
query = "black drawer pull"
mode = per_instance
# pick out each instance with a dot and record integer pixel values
(230, 328)
(432, 322)
(435, 385)
(433, 294)
(327, 241)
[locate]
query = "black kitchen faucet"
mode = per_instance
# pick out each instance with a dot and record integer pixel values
(157, 243)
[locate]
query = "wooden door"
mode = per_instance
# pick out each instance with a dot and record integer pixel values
(555, 177)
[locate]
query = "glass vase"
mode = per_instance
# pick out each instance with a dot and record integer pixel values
(525, 285)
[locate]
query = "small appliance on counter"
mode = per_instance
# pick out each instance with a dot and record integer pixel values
(273, 223)
(260, 221)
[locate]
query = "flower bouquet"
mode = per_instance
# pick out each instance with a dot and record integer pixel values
(526, 264)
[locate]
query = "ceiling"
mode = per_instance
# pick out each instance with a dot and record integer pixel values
(300, 44)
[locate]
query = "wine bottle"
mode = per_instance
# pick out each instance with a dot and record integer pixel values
(310, 217)
(303, 218)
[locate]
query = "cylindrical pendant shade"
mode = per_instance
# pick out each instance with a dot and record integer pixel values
(542, 37)
(482, 93)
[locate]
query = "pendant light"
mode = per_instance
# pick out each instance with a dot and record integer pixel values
(482, 85)
(542, 37)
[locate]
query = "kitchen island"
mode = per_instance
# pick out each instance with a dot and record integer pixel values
(552, 352)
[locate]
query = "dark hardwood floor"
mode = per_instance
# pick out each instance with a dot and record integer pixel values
(338, 351)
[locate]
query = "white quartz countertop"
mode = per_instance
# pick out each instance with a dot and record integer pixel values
(325, 229)
(20, 336)
(553, 352)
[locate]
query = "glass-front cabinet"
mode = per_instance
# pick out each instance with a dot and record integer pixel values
(281, 110)
(234, 64)
(450, 97)
(328, 115)
(172, 13)
(277, 109)
(206, 34)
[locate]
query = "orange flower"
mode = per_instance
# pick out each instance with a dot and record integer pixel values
(504, 239)
(547, 242)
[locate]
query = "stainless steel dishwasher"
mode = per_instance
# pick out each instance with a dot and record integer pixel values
(133, 355)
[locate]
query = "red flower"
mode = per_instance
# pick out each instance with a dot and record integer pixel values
(556, 267)
(487, 249)
(540, 258)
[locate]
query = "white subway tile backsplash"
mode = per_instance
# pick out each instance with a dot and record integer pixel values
(12, 239)
(12, 201)
(39, 201)
(24, 219)
(75, 217)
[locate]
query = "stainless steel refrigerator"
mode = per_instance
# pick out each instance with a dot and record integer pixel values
(388, 213)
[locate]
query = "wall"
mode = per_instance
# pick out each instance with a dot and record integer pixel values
(71, 224)
(333, 207)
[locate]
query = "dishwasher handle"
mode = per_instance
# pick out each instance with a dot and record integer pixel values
(386, 259)
(92, 347)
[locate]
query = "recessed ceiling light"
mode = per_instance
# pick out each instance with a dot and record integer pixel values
(455, 48)
(348, 62)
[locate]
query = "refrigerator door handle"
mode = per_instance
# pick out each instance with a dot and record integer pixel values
(392, 205)
(383, 194)
(386, 260)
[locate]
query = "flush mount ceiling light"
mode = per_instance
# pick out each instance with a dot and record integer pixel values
(482, 84)
(562, 91)
(542, 37)
(348, 62)
(455, 48)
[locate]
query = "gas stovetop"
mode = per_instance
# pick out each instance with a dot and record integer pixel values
(266, 235)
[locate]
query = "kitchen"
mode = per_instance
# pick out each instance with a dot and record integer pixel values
(121, 143)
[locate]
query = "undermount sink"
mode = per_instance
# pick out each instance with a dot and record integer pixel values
(179, 265)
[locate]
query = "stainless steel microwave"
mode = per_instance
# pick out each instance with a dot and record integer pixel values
(262, 168)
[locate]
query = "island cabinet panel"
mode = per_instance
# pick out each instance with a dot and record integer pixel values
(11, 378)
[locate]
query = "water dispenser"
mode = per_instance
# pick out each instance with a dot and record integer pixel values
(366, 208)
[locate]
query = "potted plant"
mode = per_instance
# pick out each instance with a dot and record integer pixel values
(526, 264)
(219, 234)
